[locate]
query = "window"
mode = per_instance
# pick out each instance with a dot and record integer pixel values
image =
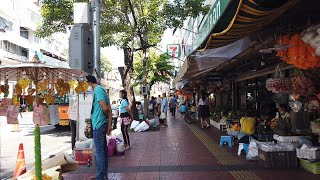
(34, 17)
(24, 32)
(36, 39)
(24, 52)
(6, 24)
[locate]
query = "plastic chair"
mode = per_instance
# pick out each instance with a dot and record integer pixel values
(242, 146)
(227, 139)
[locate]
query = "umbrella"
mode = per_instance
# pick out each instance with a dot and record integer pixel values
(37, 72)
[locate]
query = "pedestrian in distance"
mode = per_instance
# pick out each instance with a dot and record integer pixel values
(173, 105)
(164, 110)
(125, 117)
(204, 112)
(101, 117)
(115, 114)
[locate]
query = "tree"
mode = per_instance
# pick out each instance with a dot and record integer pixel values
(106, 65)
(133, 25)
(159, 68)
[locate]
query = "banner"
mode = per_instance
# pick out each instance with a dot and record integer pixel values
(73, 107)
(41, 115)
(5, 102)
(54, 114)
(12, 114)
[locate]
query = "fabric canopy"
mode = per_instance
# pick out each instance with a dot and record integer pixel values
(206, 61)
(248, 18)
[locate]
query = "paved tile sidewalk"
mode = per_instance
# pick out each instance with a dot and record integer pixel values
(183, 151)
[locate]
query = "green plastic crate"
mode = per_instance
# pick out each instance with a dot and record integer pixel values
(313, 167)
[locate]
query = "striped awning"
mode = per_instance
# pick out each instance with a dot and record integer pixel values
(249, 17)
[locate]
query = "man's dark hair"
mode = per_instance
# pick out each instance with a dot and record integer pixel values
(91, 79)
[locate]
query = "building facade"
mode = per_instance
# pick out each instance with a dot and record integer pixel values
(18, 41)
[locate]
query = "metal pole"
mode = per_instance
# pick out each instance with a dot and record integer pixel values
(96, 36)
(145, 105)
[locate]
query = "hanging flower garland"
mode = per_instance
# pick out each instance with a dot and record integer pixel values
(278, 84)
(299, 53)
(301, 85)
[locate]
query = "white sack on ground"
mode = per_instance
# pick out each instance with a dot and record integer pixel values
(134, 124)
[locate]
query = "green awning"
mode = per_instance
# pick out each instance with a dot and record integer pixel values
(248, 17)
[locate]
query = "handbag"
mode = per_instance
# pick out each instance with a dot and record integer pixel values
(88, 131)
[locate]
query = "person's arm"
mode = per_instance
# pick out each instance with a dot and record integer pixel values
(106, 109)
(129, 111)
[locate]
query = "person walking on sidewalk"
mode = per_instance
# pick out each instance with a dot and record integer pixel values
(173, 105)
(204, 112)
(101, 117)
(125, 117)
(115, 114)
(159, 101)
(164, 110)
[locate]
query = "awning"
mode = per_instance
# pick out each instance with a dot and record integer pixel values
(206, 61)
(249, 17)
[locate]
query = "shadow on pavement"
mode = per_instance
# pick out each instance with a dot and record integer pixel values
(57, 132)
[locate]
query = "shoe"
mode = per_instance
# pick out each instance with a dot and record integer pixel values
(207, 126)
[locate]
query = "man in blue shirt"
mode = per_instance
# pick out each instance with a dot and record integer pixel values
(101, 117)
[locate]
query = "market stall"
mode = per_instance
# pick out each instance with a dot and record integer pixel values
(36, 86)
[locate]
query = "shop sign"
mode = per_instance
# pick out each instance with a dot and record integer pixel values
(174, 50)
(212, 18)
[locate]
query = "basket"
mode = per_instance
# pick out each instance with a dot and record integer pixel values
(281, 159)
(313, 167)
(84, 156)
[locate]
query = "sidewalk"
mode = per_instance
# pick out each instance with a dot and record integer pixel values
(183, 151)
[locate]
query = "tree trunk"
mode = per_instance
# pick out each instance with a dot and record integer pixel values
(126, 81)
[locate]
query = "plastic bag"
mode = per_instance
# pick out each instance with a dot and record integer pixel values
(152, 123)
(252, 151)
(117, 134)
(163, 115)
(134, 124)
(111, 147)
(143, 126)
(120, 147)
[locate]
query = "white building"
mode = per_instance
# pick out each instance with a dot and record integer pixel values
(18, 42)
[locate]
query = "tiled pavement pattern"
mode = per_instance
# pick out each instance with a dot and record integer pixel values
(183, 151)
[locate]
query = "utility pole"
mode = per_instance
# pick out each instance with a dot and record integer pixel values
(95, 4)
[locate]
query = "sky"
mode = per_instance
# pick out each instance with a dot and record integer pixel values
(115, 55)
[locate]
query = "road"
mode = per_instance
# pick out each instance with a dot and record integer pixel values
(53, 141)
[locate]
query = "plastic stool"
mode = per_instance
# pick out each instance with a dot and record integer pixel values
(227, 139)
(244, 146)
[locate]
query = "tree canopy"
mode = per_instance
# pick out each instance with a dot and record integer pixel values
(118, 25)
(106, 65)
(159, 68)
